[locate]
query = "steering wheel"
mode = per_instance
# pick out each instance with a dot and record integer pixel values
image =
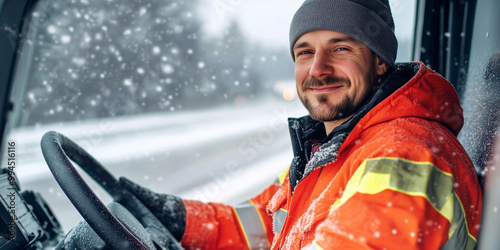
(56, 149)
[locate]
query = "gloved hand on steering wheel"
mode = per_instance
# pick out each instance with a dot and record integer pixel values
(169, 209)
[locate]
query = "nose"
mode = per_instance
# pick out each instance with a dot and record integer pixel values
(320, 67)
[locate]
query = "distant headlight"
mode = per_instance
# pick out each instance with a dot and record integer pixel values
(289, 94)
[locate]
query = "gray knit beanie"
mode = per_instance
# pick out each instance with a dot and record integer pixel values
(369, 21)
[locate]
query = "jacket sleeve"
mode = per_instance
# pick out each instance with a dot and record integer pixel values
(220, 226)
(398, 204)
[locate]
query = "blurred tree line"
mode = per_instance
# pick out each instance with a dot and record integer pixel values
(104, 58)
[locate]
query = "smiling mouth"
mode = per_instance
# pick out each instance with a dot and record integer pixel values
(324, 89)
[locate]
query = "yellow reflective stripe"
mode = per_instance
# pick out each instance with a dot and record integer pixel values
(413, 178)
(317, 246)
(282, 176)
(416, 179)
(313, 246)
(252, 225)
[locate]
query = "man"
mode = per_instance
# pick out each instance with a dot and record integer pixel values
(377, 164)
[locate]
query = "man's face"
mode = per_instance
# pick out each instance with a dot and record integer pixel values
(335, 73)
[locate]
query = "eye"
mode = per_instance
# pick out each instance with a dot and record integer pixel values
(339, 52)
(304, 52)
(342, 49)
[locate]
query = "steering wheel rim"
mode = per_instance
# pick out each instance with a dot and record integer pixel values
(56, 149)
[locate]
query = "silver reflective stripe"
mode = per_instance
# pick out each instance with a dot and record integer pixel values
(279, 218)
(277, 182)
(460, 239)
(252, 226)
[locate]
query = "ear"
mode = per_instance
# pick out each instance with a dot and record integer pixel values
(380, 66)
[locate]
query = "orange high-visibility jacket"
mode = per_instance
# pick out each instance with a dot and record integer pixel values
(398, 179)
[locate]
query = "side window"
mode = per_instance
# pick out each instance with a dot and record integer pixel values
(482, 89)
(184, 97)
(404, 13)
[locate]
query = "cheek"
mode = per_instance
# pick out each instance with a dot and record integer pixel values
(363, 88)
(301, 73)
(360, 81)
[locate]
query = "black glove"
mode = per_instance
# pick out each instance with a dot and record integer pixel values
(169, 209)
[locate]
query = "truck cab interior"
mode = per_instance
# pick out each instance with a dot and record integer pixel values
(459, 39)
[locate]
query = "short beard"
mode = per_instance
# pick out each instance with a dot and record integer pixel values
(326, 111)
(329, 112)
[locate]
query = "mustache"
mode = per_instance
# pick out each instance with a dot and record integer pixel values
(327, 81)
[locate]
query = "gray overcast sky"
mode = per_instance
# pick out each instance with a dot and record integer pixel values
(268, 21)
(263, 20)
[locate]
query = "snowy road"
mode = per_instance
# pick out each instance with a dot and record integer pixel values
(224, 155)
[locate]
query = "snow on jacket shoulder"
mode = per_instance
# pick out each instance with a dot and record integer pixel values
(399, 179)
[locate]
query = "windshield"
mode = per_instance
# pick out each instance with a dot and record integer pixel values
(184, 97)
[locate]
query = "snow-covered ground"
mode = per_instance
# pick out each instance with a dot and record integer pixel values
(223, 155)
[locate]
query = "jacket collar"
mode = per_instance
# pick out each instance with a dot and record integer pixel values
(306, 132)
